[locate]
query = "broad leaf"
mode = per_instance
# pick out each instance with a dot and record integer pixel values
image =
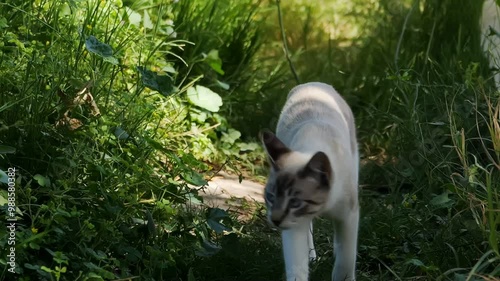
(3, 177)
(223, 85)
(192, 198)
(101, 49)
(121, 134)
(248, 146)
(4, 149)
(215, 215)
(214, 61)
(161, 83)
(208, 249)
(42, 181)
(193, 178)
(146, 22)
(134, 17)
(441, 199)
(204, 98)
(416, 262)
(111, 60)
(231, 136)
(3, 23)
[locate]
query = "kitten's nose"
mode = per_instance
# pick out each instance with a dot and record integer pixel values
(277, 216)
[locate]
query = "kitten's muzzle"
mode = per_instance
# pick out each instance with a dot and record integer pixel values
(276, 222)
(277, 217)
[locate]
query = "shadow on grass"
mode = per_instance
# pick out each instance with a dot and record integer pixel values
(399, 239)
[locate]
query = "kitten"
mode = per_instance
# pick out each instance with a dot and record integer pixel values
(490, 27)
(314, 171)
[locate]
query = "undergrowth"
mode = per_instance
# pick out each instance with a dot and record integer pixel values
(115, 114)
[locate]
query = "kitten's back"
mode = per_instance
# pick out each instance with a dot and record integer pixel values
(316, 108)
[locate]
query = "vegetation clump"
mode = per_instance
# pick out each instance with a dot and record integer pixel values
(115, 114)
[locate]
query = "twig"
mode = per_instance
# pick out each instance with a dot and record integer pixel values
(285, 46)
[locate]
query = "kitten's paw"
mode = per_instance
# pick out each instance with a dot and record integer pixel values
(312, 254)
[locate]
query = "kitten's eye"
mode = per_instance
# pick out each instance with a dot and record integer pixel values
(295, 203)
(270, 197)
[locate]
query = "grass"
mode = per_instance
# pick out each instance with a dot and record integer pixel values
(101, 119)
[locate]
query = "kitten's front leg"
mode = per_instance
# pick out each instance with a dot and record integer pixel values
(296, 252)
(310, 241)
(345, 247)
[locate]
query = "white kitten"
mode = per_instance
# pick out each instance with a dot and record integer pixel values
(314, 171)
(490, 19)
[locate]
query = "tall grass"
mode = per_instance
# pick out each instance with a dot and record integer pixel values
(94, 103)
(421, 89)
(102, 193)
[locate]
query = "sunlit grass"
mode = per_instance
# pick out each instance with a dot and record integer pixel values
(105, 196)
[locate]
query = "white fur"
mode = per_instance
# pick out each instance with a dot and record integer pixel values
(328, 128)
(491, 44)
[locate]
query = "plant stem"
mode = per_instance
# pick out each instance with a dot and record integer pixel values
(285, 46)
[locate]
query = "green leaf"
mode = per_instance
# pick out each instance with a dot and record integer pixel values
(97, 47)
(3, 177)
(101, 49)
(204, 98)
(416, 262)
(156, 145)
(441, 199)
(214, 61)
(134, 17)
(30, 266)
(46, 269)
(231, 136)
(215, 215)
(169, 69)
(192, 198)
(93, 276)
(146, 22)
(161, 83)
(133, 254)
(199, 116)
(208, 249)
(4, 149)
(102, 273)
(111, 60)
(42, 181)
(58, 256)
(3, 200)
(193, 178)
(120, 133)
(3, 22)
(248, 146)
(191, 275)
(223, 85)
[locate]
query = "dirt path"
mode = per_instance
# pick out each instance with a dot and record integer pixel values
(226, 192)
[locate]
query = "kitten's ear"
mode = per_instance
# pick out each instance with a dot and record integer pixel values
(275, 147)
(318, 168)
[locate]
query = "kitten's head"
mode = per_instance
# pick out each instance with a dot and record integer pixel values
(298, 186)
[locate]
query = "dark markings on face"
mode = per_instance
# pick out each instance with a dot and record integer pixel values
(324, 182)
(320, 177)
(312, 202)
(304, 210)
(283, 216)
(283, 184)
(269, 197)
(283, 198)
